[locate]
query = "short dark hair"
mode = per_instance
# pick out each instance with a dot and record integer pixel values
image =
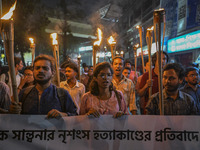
(119, 58)
(28, 68)
(177, 68)
(94, 89)
(188, 69)
(128, 61)
(128, 68)
(48, 58)
(72, 66)
(154, 57)
(17, 60)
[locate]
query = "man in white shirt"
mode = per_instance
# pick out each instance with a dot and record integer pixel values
(75, 88)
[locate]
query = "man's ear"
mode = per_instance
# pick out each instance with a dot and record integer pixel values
(186, 79)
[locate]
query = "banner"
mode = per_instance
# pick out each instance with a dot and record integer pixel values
(35, 132)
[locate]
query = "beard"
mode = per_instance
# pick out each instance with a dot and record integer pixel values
(170, 88)
(43, 82)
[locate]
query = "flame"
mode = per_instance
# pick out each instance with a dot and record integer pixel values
(138, 27)
(122, 52)
(31, 40)
(99, 37)
(136, 45)
(10, 13)
(54, 37)
(150, 29)
(111, 40)
(79, 56)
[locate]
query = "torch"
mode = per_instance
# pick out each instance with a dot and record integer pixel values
(32, 46)
(7, 31)
(56, 56)
(96, 45)
(135, 47)
(140, 32)
(149, 39)
(79, 67)
(159, 17)
(112, 43)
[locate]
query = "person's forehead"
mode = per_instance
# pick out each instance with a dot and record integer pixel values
(126, 70)
(118, 60)
(170, 72)
(42, 63)
(69, 68)
(105, 70)
(193, 72)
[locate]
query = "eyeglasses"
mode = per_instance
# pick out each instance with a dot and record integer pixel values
(193, 75)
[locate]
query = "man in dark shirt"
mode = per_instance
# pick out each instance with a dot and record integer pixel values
(192, 87)
(146, 83)
(175, 102)
(44, 97)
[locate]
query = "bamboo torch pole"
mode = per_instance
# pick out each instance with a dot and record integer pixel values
(96, 45)
(159, 17)
(112, 43)
(8, 36)
(135, 47)
(79, 67)
(140, 33)
(56, 56)
(149, 39)
(32, 46)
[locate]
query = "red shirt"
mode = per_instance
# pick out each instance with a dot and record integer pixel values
(155, 87)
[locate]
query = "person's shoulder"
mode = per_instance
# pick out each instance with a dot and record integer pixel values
(81, 84)
(185, 96)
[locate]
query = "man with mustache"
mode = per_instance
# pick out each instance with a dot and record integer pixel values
(192, 87)
(44, 98)
(124, 84)
(175, 101)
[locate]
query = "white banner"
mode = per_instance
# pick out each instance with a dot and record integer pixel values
(35, 132)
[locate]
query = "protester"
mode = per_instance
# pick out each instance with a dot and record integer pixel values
(44, 97)
(146, 83)
(5, 99)
(102, 98)
(123, 84)
(89, 78)
(192, 87)
(18, 67)
(27, 79)
(175, 102)
(133, 75)
(75, 88)
(141, 99)
(126, 72)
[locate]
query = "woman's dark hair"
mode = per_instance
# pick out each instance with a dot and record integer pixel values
(28, 68)
(94, 89)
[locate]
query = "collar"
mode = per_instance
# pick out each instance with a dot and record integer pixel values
(187, 86)
(76, 85)
(124, 79)
(166, 96)
(153, 73)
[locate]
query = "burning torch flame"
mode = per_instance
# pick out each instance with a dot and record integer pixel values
(10, 13)
(99, 37)
(136, 45)
(138, 27)
(150, 29)
(111, 40)
(54, 37)
(31, 40)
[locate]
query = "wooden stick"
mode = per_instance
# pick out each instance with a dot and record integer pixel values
(94, 57)
(158, 18)
(56, 53)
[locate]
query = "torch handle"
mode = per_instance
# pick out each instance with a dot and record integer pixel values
(57, 67)
(140, 32)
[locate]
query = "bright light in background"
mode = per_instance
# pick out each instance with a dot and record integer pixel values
(54, 37)
(86, 48)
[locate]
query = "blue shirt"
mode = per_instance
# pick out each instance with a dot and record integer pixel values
(195, 94)
(49, 100)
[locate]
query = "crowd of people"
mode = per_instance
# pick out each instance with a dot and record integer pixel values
(108, 89)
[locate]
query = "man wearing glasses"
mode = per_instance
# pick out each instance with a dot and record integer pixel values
(192, 87)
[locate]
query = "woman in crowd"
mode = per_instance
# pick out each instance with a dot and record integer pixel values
(27, 80)
(103, 99)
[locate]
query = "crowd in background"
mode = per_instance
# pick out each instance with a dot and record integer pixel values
(108, 89)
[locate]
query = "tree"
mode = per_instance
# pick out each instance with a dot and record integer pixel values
(30, 21)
